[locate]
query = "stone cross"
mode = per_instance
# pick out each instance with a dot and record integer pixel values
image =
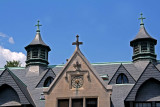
(38, 25)
(141, 18)
(77, 43)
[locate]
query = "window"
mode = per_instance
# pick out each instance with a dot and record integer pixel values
(42, 54)
(143, 46)
(142, 105)
(91, 102)
(8, 95)
(77, 102)
(136, 48)
(63, 103)
(28, 54)
(151, 47)
(35, 53)
(122, 79)
(48, 81)
(158, 104)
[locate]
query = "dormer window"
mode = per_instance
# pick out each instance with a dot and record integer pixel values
(48, 81)
(122, 79)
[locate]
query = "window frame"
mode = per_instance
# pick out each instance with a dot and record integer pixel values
(91, 98)
(122, 78)
(58, 101)
(144, 46)
(84, 100)
(142, 104)
(48, 79)
(35, 52)
(136, 48)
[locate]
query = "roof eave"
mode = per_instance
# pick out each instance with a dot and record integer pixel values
(141, 39)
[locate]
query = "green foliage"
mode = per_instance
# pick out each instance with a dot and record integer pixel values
(13, 64)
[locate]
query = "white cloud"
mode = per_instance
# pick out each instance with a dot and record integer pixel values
(11, 40)
(3, 35)
(7, 55)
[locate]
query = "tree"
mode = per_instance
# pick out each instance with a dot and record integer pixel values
(13, 64)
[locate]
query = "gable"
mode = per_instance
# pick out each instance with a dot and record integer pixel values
(77, 79)
(150, 72)
(77, 56)
(122, 70)
(7, 77)
(149, 91)
(48, 73)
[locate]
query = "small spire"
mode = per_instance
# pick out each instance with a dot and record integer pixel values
(77, 43)
(38, 25)
(141, 18)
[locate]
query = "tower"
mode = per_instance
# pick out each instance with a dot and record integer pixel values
(143, 45)
(37, 50)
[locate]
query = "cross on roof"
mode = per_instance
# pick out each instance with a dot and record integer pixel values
(141, 18)
(38, 25)
(77, 43)
(77, 66)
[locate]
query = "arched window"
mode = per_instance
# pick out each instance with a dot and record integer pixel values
(8, 96)
(48, 81)
(145, 93)
(122, 79)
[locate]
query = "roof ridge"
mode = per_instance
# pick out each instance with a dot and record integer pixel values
(16, 76)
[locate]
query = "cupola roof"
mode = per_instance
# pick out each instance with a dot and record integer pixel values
(38, 39)
(143, 34)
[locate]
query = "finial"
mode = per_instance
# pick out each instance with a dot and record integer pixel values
(77, 43)
(141, 18)
(38, 25)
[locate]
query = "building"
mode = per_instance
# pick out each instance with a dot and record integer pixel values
(81, 84)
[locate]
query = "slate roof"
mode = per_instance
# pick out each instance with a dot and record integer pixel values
(135, 69)
(23, 87)
(142, 34)
(30, 82)
(119, 93)
(37, 41)
(150, 72)
(11, 103)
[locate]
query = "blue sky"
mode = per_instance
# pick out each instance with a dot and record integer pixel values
(105, 27)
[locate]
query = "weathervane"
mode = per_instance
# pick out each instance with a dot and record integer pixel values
(77, 43)
(38, 25)
(141, 18)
